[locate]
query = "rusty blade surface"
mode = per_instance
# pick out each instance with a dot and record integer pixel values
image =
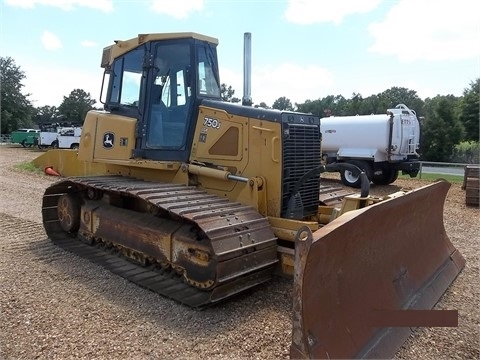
(393, 255)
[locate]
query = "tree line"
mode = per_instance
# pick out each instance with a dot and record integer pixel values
(449, 124)
(17, 110)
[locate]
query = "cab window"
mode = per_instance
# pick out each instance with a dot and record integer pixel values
(207, 83)
(127, 76)
(169, 97)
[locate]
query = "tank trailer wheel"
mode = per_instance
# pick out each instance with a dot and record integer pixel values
(386, 177)
(68, 212)
(352, 179)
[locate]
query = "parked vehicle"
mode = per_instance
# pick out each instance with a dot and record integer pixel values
(380, 145)
(69, 137)
(48, 136)
(25, 137)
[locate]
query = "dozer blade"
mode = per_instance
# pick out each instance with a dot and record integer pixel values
(65, 162)
(394, 255)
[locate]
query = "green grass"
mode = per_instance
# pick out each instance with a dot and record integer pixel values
(27, 166)
(433, 177)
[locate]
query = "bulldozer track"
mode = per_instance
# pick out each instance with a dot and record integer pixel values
(243, 243)
(332, 195)
(166, 283)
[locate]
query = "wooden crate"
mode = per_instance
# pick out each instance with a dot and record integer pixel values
(471, 185)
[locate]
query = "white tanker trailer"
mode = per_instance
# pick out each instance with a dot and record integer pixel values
(380, 145)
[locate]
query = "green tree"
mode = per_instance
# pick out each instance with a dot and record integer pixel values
(227, 92)
(466, 152)
(309, 106)
(282, 103)
(76, 105)
(262, 105)
(16, 108)
(400, 95)
(355, 105)
(441, 130)
(368, 105)
(330, 105)
(469, 111)
(46, 114)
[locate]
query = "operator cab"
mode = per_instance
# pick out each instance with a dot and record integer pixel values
(161, 80)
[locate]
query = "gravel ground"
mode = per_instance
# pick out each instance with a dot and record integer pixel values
(55, 305)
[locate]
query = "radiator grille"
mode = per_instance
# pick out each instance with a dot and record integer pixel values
(301, 153)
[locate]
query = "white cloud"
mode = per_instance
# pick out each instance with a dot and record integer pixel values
(50, 41)
(429, 30)
(179, 9)
(88, 43)
(323, 11)
(293, 81)
(103, 5)
(65, 80)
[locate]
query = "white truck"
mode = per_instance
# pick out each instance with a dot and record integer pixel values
(69, 137)
(57, 136)
(48, 136)
(380, 145)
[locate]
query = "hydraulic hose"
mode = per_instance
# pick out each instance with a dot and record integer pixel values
(365, 182)
(295, 207)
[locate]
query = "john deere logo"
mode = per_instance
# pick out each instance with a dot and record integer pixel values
(108, 140)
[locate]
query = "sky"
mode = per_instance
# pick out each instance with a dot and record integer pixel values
(301, 49)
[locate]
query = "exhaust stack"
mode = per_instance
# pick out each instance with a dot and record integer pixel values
(247, 69)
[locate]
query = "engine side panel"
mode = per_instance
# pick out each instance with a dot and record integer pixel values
(246, 147)
(107, 137)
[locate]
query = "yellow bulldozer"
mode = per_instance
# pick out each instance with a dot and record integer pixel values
(200, 199)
